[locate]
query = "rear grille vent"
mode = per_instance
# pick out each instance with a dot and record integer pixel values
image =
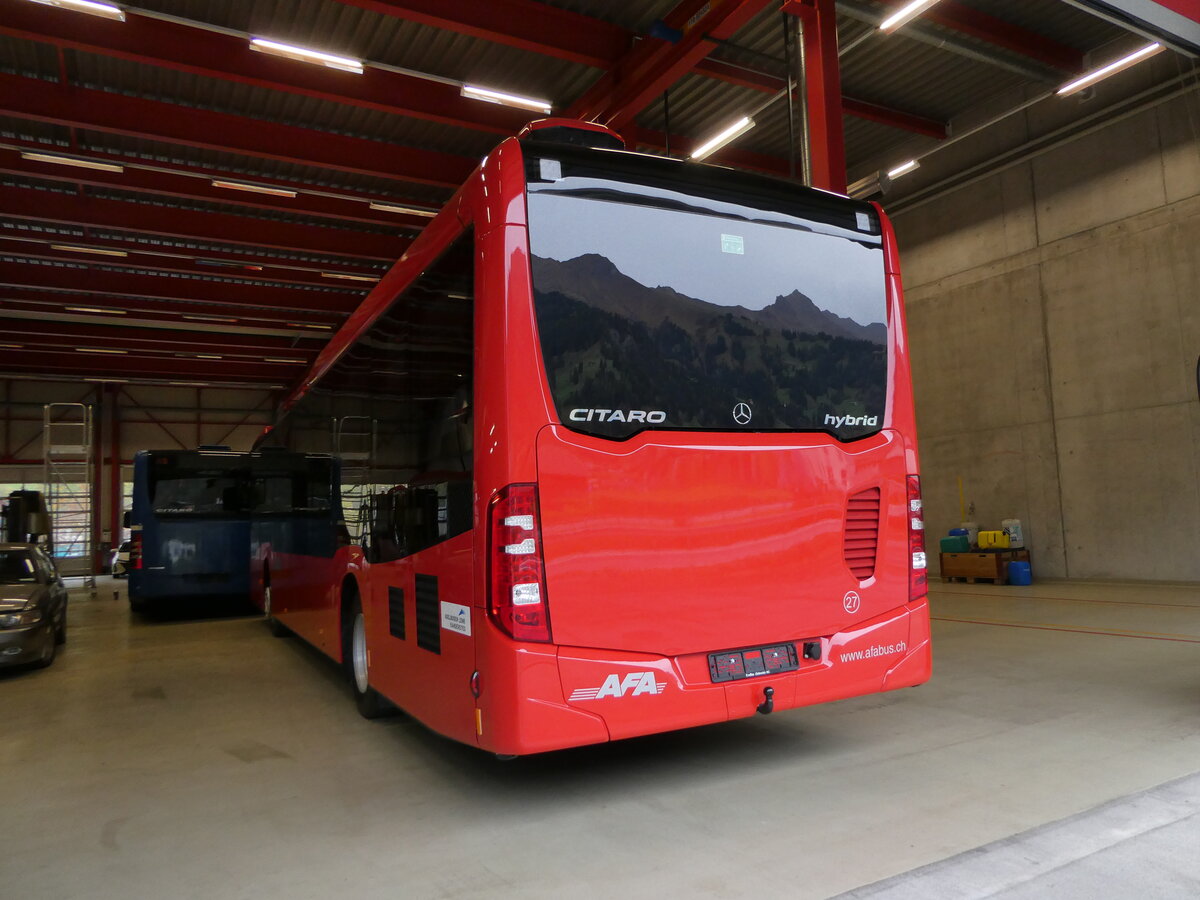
(429, 626)
(860, 540)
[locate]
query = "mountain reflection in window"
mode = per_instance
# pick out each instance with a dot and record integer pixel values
(709, 317)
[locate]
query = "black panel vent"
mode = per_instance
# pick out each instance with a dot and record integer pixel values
(396, 612)
(429, 626)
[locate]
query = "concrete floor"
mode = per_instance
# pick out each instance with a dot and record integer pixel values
(205, 759)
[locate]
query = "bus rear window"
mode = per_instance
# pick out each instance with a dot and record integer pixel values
(198, 493)
(672, 305)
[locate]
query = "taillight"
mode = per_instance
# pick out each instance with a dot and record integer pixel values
(135, 550)
(517, 602)
(918, 578)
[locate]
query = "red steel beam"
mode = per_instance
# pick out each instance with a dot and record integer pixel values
(92, 279)
(567, 35)
(622, 100)
(186, 187)
(116, 501)
(989, 29)
(217, 227)
(43, 101)
(181, 169)
(97, 476)
(883, 115)
(532, 26)
(76, 334)
(52, 361)
(155, 312)
(823, 93)
(40, 248)
(229, 260)
(188, 49)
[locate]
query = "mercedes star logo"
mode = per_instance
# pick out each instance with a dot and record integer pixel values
(742, 413)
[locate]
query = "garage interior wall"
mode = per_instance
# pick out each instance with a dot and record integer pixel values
(1055, 327)
(147, 417)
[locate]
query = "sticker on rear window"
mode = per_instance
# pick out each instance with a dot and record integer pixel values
(733, 243)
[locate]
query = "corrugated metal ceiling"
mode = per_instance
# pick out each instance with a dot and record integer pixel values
(928, 71)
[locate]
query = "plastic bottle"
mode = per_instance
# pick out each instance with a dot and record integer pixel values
(972, 533)
(1012, 527)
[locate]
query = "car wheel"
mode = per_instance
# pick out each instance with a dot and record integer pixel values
(277, 628)
(370, 703)
(50, 650)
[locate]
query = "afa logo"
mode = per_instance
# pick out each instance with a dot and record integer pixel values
(616, 686)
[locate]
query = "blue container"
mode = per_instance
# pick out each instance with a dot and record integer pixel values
(1019, 573)
(958, 532)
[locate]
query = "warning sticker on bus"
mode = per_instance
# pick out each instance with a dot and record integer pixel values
(456, 617)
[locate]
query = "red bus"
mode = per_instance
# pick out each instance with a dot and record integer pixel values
(627, 445)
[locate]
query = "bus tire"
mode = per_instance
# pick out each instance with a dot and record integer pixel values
(370, 703)
(277, 628)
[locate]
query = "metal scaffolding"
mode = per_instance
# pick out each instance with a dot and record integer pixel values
(69, 479)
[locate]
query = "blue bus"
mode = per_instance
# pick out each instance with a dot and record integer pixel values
(190, 525)
(297, 517)
(213, 522)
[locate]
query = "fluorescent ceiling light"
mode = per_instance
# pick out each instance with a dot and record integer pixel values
(200, 355)
(1111, 69)
(308, 325)
(740, 127)
(290, 51)
(905, 14)
(96, 309)
(474, 92)
(189, 383)
(903, 169)
(109, 380)
(209, 319)
(281, 359)
(346, 277)
(104, 10)
(72, 161)
(404, 210)
(253, 188)
(11, 346)
(97, 250)
(99, 350)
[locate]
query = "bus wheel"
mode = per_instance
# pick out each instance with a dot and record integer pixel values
(370, 703)
(274, 626)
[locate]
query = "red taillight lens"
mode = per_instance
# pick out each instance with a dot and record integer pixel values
(517, 602)
(135, 550)
(918, 579)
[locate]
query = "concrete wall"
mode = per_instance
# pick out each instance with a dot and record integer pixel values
(1054, 316)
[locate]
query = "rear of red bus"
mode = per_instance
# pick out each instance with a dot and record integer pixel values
(695, 460)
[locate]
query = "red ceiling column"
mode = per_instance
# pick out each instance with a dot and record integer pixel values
(114, 464)
(823, 92)
(97, 479)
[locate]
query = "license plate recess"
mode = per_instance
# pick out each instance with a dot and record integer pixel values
(732, 665)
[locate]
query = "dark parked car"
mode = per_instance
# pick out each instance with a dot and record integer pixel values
(33, 606)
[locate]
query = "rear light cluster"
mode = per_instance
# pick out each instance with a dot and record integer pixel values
(135, 550)
(517, 602)
(918, 579)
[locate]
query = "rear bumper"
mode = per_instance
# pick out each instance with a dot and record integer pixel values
(151, 585)
(567, 696)
(22, 646)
